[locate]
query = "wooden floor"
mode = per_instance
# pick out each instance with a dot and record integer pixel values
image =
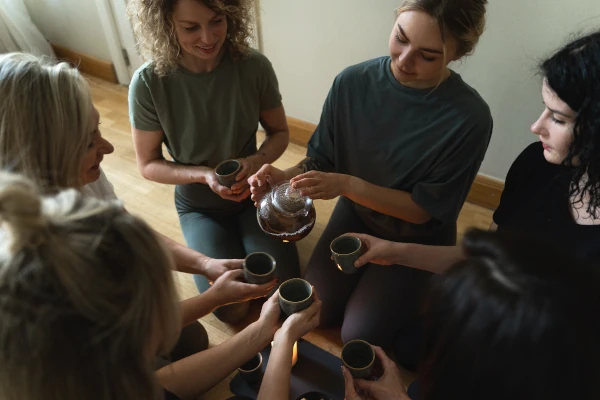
(154, 203)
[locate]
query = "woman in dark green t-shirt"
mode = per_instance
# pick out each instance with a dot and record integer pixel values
(400, 140)
(203, 95)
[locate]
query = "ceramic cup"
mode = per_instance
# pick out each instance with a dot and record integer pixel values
(345, 250)
(313, 396)
(226, 172)
(259, 268)
(358, 356)
(250, 371)
(295, 295)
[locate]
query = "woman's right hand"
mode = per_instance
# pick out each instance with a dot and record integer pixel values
(223, 191)
(389, 387)
(231, 289)
(379, 251)
(300, 323)
(259, 182)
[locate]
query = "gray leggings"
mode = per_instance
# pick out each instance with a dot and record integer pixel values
(234, 235)
(374, 304)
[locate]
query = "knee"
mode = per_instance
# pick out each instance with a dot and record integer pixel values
(351, 331)
(193, 339)
(232, 313)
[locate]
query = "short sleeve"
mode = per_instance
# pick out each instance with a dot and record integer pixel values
(270, 97)
(444, 190)
(322, 142)
(142, 112)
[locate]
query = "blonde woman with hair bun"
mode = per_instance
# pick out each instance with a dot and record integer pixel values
(49, 131)
(87, 302)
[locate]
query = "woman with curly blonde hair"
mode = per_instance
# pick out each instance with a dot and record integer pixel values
(202, 93)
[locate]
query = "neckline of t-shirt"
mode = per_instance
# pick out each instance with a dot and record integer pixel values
(224, 60)
(419, 92)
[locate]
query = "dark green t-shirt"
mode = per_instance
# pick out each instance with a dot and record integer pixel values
(429, 143)
(206, 117)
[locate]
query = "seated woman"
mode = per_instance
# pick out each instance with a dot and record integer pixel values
(552, 190)
(400, 141)
(87, 302)
(202, 94)
(49, 131)
(516, 319)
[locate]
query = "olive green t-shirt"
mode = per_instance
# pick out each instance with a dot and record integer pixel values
(206, 117)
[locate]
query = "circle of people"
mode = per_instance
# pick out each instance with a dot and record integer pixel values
(88, 306)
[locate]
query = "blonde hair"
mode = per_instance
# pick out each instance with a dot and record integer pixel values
(45, 111)
(82, 286)
(155, 33)
(462, 20)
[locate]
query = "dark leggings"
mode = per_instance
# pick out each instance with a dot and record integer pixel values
(377, 303)
(234, 235)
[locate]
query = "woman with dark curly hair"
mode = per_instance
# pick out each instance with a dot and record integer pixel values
(202, 94)
(552, 190)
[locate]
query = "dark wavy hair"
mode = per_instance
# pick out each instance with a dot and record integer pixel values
(573, 73)
(515, 320)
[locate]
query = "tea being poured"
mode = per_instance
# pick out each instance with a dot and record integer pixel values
(285, 214)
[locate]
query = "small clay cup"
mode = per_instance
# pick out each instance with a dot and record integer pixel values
(227, 171)
(345, 250)
(250, 371)
(295, 295)
(313, 396)
(259, 268)
(359, 357)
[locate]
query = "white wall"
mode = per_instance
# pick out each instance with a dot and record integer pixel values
(310, 41)
(71, 23)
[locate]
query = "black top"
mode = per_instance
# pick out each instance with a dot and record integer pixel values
(535, 201)
(170, 396)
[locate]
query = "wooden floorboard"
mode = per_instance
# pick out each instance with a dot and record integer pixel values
(154, 203)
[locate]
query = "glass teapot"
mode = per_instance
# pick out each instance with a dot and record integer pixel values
(285, 214)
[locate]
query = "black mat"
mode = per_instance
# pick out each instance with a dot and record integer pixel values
(316, 370)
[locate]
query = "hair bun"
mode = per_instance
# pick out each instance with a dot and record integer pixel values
(20, 212)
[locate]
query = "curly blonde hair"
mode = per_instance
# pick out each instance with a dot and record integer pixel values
(152, 22)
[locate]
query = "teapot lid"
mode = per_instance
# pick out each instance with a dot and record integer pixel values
(289, 200)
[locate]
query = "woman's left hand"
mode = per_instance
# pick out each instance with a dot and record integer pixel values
(249, 167)
(321, 185)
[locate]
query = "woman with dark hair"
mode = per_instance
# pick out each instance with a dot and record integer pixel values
(514, 320)
(552, 190)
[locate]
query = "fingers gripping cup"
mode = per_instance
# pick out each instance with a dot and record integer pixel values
(295, 295)
(259, 268)
(358, 356)
(345, 250)
(226, 172)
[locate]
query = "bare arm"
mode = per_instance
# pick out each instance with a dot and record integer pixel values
(277, 376)
(277, 136)
(436, 259)
(190, 377)
(154, 167)
(396, 203)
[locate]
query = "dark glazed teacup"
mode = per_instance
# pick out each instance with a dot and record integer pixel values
(259, 268)
(295, 295)
(313, 396)
(359, 357)
(345, 250)
(227, 171)
(250, 371)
